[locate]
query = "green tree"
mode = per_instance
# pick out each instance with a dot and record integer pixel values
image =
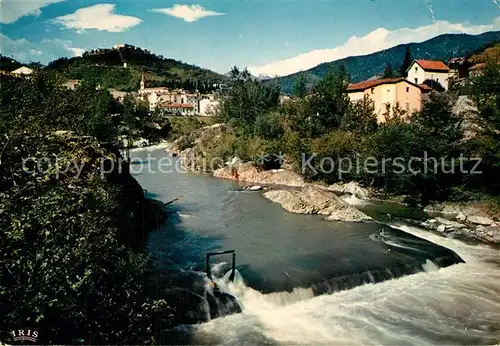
(330, 102)
(485, 141)
(406, 62)
(247, 99)
(300, 86)
(388, 72)
(361, 117)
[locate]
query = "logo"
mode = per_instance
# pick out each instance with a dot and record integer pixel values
(24, 335)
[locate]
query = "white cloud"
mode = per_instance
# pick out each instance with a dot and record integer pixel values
(45, 51)
(76, 51)
(35, 52)
(98, 17)
(374, 41)
(189, 13)
(12, 10)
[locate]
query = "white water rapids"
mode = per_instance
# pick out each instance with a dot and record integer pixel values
(459, 304)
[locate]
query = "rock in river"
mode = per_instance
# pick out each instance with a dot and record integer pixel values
(315, 200)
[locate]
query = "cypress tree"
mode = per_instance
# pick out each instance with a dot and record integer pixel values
(406, 62)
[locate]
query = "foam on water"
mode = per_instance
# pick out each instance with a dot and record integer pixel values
(459, 304)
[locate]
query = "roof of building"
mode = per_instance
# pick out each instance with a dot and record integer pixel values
(479, 66)
(175, 105)
(153, 89)
(373, 83)
(432, 65)
(361, 86)
(424, 87)
(23, 70)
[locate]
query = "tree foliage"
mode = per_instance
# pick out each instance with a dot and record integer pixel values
(389, 72)
(300, 86)
(406, 62)
(247, 99)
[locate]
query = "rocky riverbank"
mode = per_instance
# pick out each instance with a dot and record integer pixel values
(291, 191)
(463, 220)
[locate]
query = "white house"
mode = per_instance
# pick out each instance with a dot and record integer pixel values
(422, 70)
(22, 71)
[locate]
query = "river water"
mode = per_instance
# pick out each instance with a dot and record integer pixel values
(303, 280)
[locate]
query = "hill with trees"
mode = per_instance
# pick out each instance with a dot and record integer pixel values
(121, 69)
(364, 67)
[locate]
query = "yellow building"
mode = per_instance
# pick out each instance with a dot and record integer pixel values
(386, 93)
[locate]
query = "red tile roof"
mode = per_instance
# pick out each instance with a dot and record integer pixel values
(424, 86)
(373, 83)
(361, 86)
(434, 65)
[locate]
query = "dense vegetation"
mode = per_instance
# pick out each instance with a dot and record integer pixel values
(72, 267)
(106, 67)
(325, 124)
(364, 67)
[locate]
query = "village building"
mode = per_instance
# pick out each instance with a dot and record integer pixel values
(22, 71)
(387, 93)
(71, 84)
(175, 101)
(477, 69)
(176, 108)
(459, 68)
(421, 71)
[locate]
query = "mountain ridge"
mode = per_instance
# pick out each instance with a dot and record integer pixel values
(363, 67)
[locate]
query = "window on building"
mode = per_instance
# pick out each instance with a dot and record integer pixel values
(416, 69)
(373, 90)
(407, 106)
(416, 80)
(407, 89)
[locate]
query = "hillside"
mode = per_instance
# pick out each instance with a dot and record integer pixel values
(107, 67)
(8, 64)
(364, 67)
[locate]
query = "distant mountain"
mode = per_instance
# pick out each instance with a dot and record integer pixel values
(363, 67)
(121, 68)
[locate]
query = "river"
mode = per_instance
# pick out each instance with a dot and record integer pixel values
(303, 280)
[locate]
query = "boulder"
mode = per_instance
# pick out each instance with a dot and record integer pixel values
(254, 188)
(480, 220)
(314, 200)
(291, 201)
(250, 173)
(224, 172)
(352, 188)
(282, 177)
(449, 223)
(461, 216)
(441, 228)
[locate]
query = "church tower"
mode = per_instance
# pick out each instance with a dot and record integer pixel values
(143, 82)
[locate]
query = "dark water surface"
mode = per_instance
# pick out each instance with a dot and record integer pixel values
(299, 257)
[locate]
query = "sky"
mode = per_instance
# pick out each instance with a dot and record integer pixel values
(270, 37)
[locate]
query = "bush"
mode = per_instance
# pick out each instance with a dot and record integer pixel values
(69, 270)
